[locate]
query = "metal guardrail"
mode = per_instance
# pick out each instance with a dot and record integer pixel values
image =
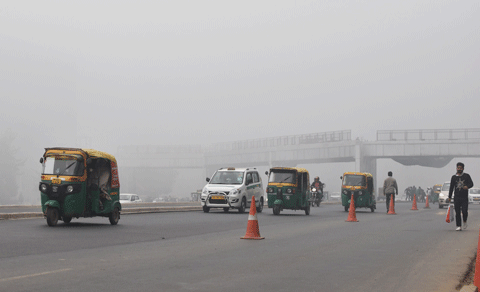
(314, 138)
(428, 135)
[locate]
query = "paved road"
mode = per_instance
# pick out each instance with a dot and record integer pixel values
(198, 251)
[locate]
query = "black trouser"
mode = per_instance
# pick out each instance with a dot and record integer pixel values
(388, 200)
(461, 203)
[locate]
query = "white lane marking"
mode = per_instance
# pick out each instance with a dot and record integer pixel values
(34, 275)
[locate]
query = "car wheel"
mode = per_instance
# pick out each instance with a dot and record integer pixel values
(114, 216)
(276, 209)
(67, 219)
(226, 210)
(372, 209)
(243, 206)
(260, 207)
(206, 209)
(52, 216)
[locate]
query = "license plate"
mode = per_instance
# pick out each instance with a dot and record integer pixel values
(56, 181)
(55, 189)
(218, 198)
(476, 199)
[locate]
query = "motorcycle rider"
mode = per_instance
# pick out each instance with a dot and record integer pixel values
(317, 184)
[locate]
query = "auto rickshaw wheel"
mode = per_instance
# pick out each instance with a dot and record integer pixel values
(114, 216)
(67, 219)
(276, 209)
(372, 208)
(260, 207)
(243, 206)
(206, 209)
(52, 216)
(346, 208)
(307, 210)
(226, 210)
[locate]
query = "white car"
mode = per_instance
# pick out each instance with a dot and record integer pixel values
(474, 196)
(335, 196)
(233, 188)
(443, 196)
(129, 199)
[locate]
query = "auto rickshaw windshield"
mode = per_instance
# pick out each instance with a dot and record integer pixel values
(282, 176)
(63, 165)
(354, 180)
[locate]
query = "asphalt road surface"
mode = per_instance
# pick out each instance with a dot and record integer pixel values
(196, 251)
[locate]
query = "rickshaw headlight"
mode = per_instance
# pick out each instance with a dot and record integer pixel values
(289, 191)
(360, 193)
(69, 189)
(269, 190)
(345, 192)
(43, 188)
(314, 190)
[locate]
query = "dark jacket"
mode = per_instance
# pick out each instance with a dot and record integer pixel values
(456, 184)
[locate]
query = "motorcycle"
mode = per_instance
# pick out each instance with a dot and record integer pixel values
(317, 197)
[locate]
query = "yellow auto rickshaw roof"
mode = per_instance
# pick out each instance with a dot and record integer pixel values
(358, 173)
(298, 169)
(438, 185)
(90, 152)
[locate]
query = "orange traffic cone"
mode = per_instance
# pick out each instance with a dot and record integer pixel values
(352, 216)
(252, 227)
(414, 204)
(476, 278)
(427, 205)
(391, 208)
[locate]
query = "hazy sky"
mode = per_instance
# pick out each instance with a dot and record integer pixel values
(199, 72)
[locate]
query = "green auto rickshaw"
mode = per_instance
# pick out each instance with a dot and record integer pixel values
(360, 184)
(288, 188)
(79, 183)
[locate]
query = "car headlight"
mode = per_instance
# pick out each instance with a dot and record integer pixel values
(204, 191)
(43, 188)
(235, 192)
(441, 195)
(69, 189)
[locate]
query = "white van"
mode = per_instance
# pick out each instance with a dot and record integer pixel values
(443, 196)
(233, 188)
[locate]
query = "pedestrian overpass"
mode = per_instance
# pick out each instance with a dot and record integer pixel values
(431, 148)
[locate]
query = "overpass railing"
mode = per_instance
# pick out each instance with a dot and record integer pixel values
(428, 135)
(315, 138)
(159, 149)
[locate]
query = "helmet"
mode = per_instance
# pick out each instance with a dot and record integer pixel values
(317, 178)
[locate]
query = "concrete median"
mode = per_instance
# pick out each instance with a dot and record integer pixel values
(126, 210)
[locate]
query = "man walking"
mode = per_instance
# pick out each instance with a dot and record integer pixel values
(390, 189)
(459, 185)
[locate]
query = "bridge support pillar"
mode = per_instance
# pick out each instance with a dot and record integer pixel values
(365, 164)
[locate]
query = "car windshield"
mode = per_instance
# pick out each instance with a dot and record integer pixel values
(282, 176)
(227, 178)
(475, 191)
(124, 197)
(63, 165)
(354, 180)
(446, 187)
